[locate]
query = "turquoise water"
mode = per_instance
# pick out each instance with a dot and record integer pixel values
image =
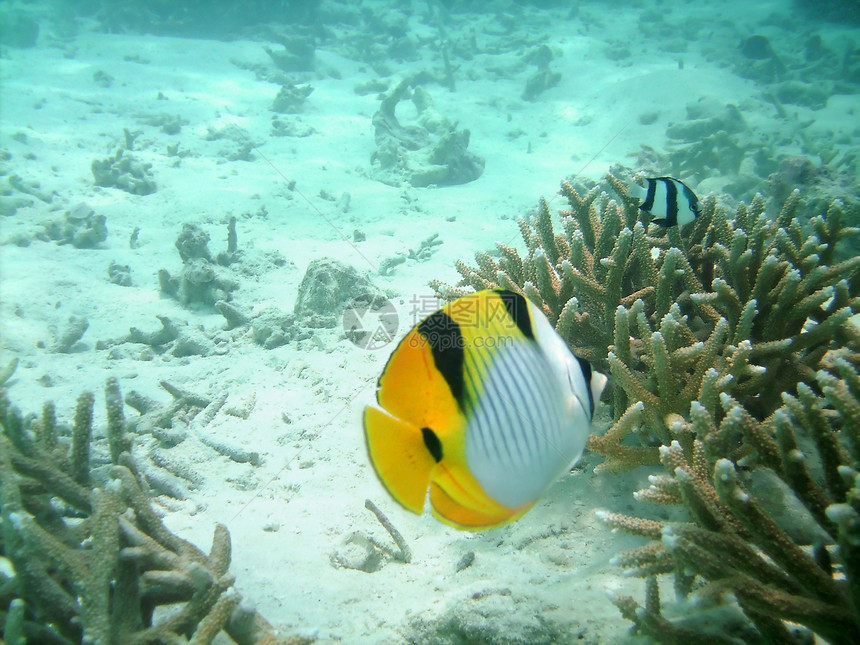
(194, 193)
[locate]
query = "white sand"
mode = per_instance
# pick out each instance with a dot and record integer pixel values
(288, 515)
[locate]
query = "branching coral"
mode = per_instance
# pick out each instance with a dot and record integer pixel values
(732, 542)
(744, 305)
(732, 354)
(87, 558)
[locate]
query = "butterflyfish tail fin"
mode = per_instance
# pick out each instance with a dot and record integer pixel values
(400, 455)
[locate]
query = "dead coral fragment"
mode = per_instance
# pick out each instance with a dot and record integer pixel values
(81, 227)
(291, 98)
(432, 152)
(201, 279)
(125, 172)
(328, 287)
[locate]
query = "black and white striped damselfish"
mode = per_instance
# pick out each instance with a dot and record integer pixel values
(670, 201)
(482, 406)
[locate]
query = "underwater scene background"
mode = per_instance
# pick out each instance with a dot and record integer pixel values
(217, 220)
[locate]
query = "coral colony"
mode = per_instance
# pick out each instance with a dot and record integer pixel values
(734, 365)
(89, 557)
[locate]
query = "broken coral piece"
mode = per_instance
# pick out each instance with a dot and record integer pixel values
(431, 152)
(125, 172)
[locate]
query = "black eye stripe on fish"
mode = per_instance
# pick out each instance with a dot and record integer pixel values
(585, 368)
(518, 310)
(692, 200)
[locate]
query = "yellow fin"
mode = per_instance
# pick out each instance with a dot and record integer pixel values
(459, 501)
(400, 457)
(412, 389)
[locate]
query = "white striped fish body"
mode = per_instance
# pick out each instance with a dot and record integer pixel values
(528, 428)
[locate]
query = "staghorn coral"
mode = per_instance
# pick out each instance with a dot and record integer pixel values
(87, 558)
(744, 305)
(732, 356)
(732, 543)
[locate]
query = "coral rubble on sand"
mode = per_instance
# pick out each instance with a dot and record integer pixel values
(433, 152)
(734, 359)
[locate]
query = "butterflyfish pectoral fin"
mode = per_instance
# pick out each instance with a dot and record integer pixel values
(399, 453)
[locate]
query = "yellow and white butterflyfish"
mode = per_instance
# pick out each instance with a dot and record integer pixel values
(483, 405)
